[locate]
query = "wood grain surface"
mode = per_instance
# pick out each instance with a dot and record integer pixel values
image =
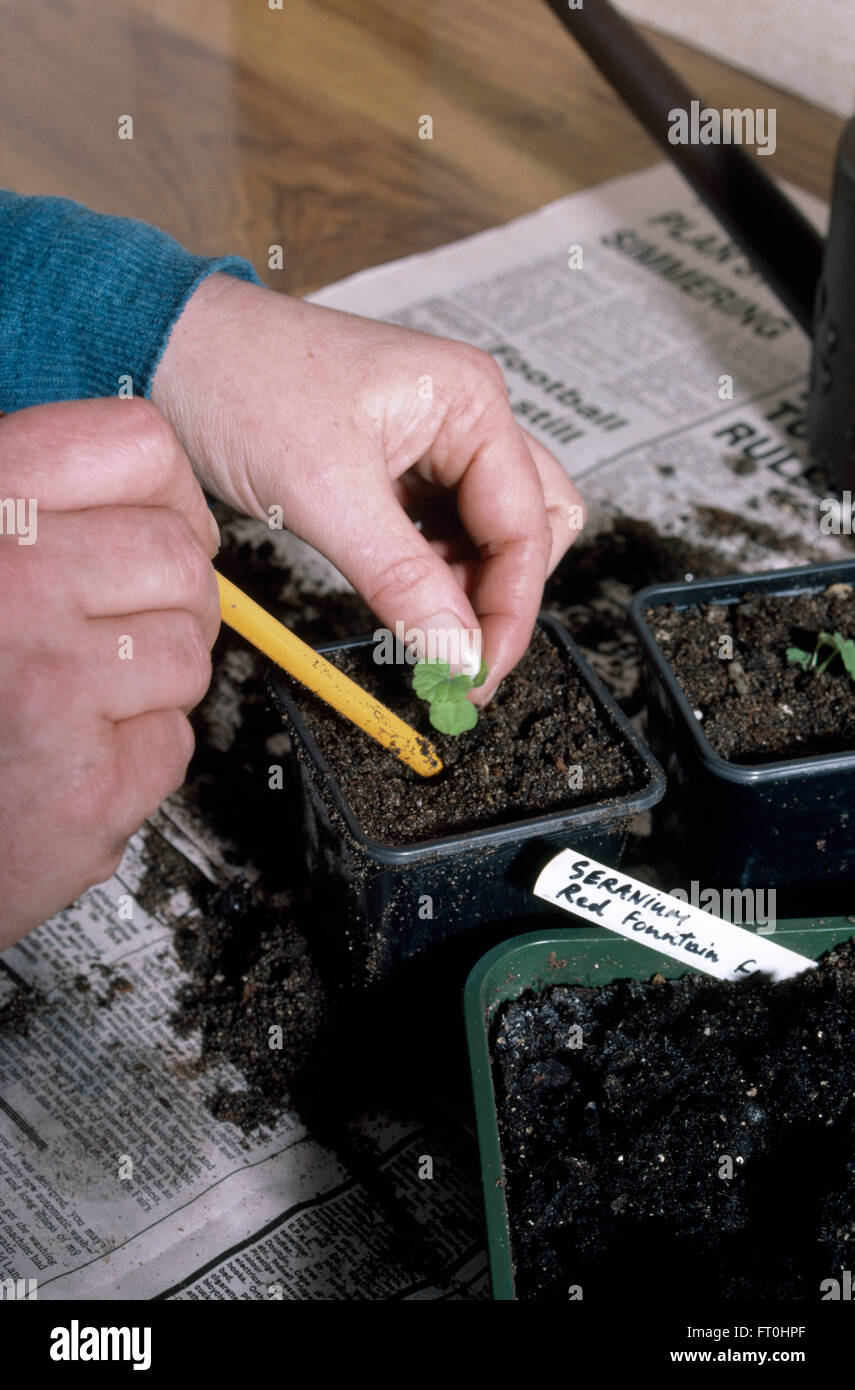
(256, 126)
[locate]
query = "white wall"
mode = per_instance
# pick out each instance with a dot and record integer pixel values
(807, 46)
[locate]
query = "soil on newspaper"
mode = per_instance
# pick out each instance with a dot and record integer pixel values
(698, 1143)
(591, 590)
(757, 706)
(251, 971)
(249, 968)
(540, 745)
(17, 1014)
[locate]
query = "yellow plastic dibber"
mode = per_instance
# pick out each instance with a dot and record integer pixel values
(322, 678)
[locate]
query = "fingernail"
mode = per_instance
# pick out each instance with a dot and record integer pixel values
(444, 638)
(216, 538)
(482, 701)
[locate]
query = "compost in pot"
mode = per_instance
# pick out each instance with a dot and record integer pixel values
(689, 1137)
(539, 746)
(755, 704)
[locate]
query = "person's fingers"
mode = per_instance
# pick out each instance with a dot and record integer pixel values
(434, 509)
(143, 662)
(392, 566)
(73, 455)
(481, 452)
(563, 502)
(111, 561)
(152, 753)
(75, 814)
(454, 550)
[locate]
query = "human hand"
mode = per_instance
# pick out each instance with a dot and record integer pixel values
(93, 732)
(338, 420)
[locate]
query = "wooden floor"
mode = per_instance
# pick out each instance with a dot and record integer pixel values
(255, 126)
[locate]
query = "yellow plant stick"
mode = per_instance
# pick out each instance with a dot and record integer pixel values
(320, 676)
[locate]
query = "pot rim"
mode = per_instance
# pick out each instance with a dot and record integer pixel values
(730, 589)
(651, 792)
(520, 963)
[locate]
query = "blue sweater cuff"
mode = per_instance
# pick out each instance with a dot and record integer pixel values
(88, 301)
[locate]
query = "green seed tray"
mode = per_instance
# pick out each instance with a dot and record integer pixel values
(568, 956)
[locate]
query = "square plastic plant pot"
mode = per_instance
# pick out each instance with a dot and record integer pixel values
(369, 893)
(582, 955)
(786, 825)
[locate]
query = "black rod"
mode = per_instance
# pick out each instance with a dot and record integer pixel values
(776, 237)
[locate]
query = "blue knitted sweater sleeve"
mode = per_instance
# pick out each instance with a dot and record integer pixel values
(88, 301)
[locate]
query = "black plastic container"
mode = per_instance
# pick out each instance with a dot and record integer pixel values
(378, 896)
(786, 825)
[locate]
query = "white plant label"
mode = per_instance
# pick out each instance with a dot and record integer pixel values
(608, 898)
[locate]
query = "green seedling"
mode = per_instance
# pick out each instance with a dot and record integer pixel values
(450, 711)
(840, 646)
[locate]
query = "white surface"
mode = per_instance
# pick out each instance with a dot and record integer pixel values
(807, 48)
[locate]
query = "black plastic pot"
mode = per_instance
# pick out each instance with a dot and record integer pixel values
(787, 825)
(370, 894)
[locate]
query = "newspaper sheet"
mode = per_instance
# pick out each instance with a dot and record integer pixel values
(644, 350)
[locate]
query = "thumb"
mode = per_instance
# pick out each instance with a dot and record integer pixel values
(410, 589)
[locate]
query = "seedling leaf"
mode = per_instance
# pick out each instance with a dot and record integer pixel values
(453, 716)
(847, 651)
(428, 677)
(457, 688)
(840, 646)
(801, 658)
(450, 711)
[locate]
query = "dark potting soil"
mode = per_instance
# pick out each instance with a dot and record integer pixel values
(591, 591)
(17, 1014)
(720, 523)
(249, 967)
(759, 707)
(517, 762)
(615, 1150)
